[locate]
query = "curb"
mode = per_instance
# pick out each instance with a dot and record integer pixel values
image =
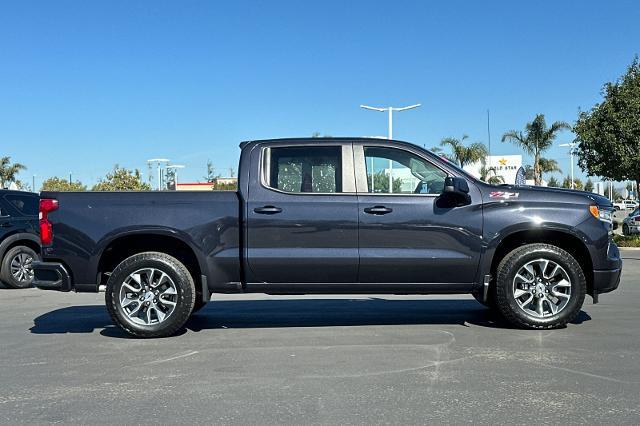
(629, 248)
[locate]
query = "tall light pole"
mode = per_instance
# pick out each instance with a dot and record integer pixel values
(158, 162)
(390, 111)
(571, 146)
(175, 168)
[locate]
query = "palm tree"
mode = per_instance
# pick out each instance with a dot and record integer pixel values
(9, 171)
(490, 175)
(548, 165)
(536, 139)
(464, 155)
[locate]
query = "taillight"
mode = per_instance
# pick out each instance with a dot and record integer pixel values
(47, 205)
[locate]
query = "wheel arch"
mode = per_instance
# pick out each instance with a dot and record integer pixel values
(124, 245)
(559, 237)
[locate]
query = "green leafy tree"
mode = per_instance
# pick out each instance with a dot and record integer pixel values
(62, 185)
(566, 183)
(553, 182)
(536, 139)
(121, 179)
(464, 155)
(608, 135)
(588, 186)
(9, 171)
(381, 183)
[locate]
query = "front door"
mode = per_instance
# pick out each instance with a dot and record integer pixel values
(404, 236)
(302, 216)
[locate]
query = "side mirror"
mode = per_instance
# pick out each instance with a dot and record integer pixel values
(456, 191)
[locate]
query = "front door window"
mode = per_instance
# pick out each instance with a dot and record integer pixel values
(396, 171)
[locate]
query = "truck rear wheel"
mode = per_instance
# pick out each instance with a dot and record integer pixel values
(150, 295)
(540, 286)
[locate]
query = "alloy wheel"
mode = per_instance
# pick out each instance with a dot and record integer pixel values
(148, 296)
(22, 267)
(542, 288)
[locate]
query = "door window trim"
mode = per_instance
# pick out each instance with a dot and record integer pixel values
(346, 162)
(362, 183)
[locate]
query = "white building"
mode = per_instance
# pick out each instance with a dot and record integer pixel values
(505, 165)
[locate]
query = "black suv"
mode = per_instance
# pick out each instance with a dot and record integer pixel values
(19, 240)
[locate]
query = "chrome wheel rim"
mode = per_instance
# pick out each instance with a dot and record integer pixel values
(22, 267)
(148, 296)
(542, 288)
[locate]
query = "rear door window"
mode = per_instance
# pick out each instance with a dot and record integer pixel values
(305, 169)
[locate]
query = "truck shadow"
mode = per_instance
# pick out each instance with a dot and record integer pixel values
(291, 313)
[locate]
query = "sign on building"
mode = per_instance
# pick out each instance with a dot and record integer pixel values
(505, 165)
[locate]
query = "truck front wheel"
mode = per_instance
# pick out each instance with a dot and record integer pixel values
(150, 295)
(540, 286)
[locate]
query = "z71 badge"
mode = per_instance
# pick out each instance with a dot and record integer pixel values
(504, 195)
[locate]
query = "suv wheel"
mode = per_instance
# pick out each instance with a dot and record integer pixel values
(540, 286)
(150, 295)
(17, 269)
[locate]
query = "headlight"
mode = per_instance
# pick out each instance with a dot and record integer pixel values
(601, 214)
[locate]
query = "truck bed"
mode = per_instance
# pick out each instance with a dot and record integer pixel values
(88, 224)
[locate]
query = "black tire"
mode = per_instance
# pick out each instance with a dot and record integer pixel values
(625, 229)
(5, 273)
(184, 298)
(506, 273)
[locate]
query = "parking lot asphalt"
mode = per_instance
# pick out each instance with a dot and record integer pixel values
(259, 359)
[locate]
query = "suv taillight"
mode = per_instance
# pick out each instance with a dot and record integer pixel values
(47, 205)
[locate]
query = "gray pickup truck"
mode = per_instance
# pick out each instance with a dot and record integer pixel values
(331, 215)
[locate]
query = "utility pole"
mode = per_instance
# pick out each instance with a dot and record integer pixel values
(390, 111)
(571, 146)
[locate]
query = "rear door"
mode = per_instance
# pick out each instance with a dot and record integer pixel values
(405, 237)
(302, 214)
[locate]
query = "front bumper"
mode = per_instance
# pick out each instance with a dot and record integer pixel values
(606, 280)
(51, 276)
(633, 229)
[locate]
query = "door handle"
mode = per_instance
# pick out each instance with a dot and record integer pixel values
(267, 210)
(378, 210)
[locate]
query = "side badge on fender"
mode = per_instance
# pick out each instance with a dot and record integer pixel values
(504, 195)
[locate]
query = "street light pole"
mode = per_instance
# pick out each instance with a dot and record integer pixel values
(158, 162)
(390, 111)
(571, 145)
(175, 168)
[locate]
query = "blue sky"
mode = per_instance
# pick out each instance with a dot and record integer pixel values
(85, 85)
